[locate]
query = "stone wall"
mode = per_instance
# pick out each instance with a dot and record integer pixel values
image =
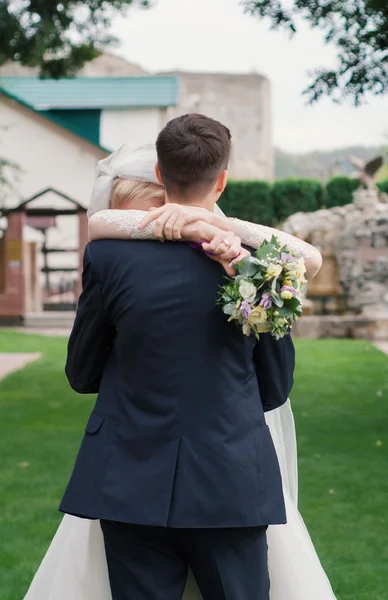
(355, 239)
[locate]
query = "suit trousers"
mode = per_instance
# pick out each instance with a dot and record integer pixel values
(151, 563)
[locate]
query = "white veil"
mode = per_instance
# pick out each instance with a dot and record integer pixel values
(126, 163)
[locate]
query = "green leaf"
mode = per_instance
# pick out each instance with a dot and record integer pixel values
(239, 278)
(228, 309)
(277, 300)
(263, 251)
(259, 276)
(285, 311)
(246, 268)
(293, 304)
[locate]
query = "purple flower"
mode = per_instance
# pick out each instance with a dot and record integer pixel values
(287, 257)
(287, 292)
(266, 301)
(245, 309)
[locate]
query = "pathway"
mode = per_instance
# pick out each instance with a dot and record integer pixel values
(383, 346)
(14, 361)
(49, 331)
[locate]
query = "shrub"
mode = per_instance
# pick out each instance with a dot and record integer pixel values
(383, 186)
(339, 191)
(248, 200)
(296, 195)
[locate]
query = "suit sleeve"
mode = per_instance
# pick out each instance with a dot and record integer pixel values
(275, 364)
(91, 337)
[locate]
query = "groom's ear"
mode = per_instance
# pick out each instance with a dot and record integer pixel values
(158, 175)
(222, 181)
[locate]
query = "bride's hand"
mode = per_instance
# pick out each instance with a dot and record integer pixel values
(223, 247)
(228, 266)
(170, 219)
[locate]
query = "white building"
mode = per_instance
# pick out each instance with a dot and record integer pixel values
(56, 131)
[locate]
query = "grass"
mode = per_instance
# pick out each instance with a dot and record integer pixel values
(341, 409)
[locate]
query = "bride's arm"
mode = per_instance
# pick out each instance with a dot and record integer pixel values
(254, 235)
(111, 224)
(124, 224)
(170, 218)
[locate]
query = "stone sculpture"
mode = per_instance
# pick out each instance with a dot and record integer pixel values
(366, 171)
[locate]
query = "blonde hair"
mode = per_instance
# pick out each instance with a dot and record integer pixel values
(125, 191)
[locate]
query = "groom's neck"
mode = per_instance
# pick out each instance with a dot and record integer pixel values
(206, 202)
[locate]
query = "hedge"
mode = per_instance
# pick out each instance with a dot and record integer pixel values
(304, 194)
(339, 191)
(249, 200)
(269, 204)
(383, 186)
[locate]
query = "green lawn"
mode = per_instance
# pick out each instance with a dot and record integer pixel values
(340, 404)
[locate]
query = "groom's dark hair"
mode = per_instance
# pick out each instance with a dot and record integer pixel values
(193, 151)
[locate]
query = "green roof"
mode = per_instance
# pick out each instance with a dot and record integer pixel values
(93, 92)
(53, 117)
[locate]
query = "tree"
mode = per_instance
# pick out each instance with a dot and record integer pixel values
(359, 30)
(58, 37)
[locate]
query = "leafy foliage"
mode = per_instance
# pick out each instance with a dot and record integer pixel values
(293, 195)
(270, 204)
(58, 37)
(383, 186)
(358, 29)
(339, 191)
(257, 204)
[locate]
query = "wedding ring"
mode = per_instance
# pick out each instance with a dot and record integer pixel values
(227, 243)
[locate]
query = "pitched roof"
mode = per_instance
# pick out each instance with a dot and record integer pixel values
(54, 119)
(93, 92)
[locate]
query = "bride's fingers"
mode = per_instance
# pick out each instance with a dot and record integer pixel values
(169, 227)
(178, 226)
(152, 215)
(160, 224)
(211, 246)
(233, 251)
(243, 254)
(221, 243)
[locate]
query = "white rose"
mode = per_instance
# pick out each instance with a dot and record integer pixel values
(247, 291)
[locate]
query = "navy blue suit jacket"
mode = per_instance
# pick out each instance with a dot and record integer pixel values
(177, 437)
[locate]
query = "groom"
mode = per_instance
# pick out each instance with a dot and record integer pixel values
(177, 461)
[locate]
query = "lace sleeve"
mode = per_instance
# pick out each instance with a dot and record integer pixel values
(254, 235)
(119, 224)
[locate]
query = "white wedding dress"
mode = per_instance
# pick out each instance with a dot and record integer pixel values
(75, 567)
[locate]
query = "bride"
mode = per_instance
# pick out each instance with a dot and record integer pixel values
(75, 565)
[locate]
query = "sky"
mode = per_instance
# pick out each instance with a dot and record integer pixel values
(215, 36)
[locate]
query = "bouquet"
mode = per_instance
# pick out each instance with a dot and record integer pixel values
(266, 294)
